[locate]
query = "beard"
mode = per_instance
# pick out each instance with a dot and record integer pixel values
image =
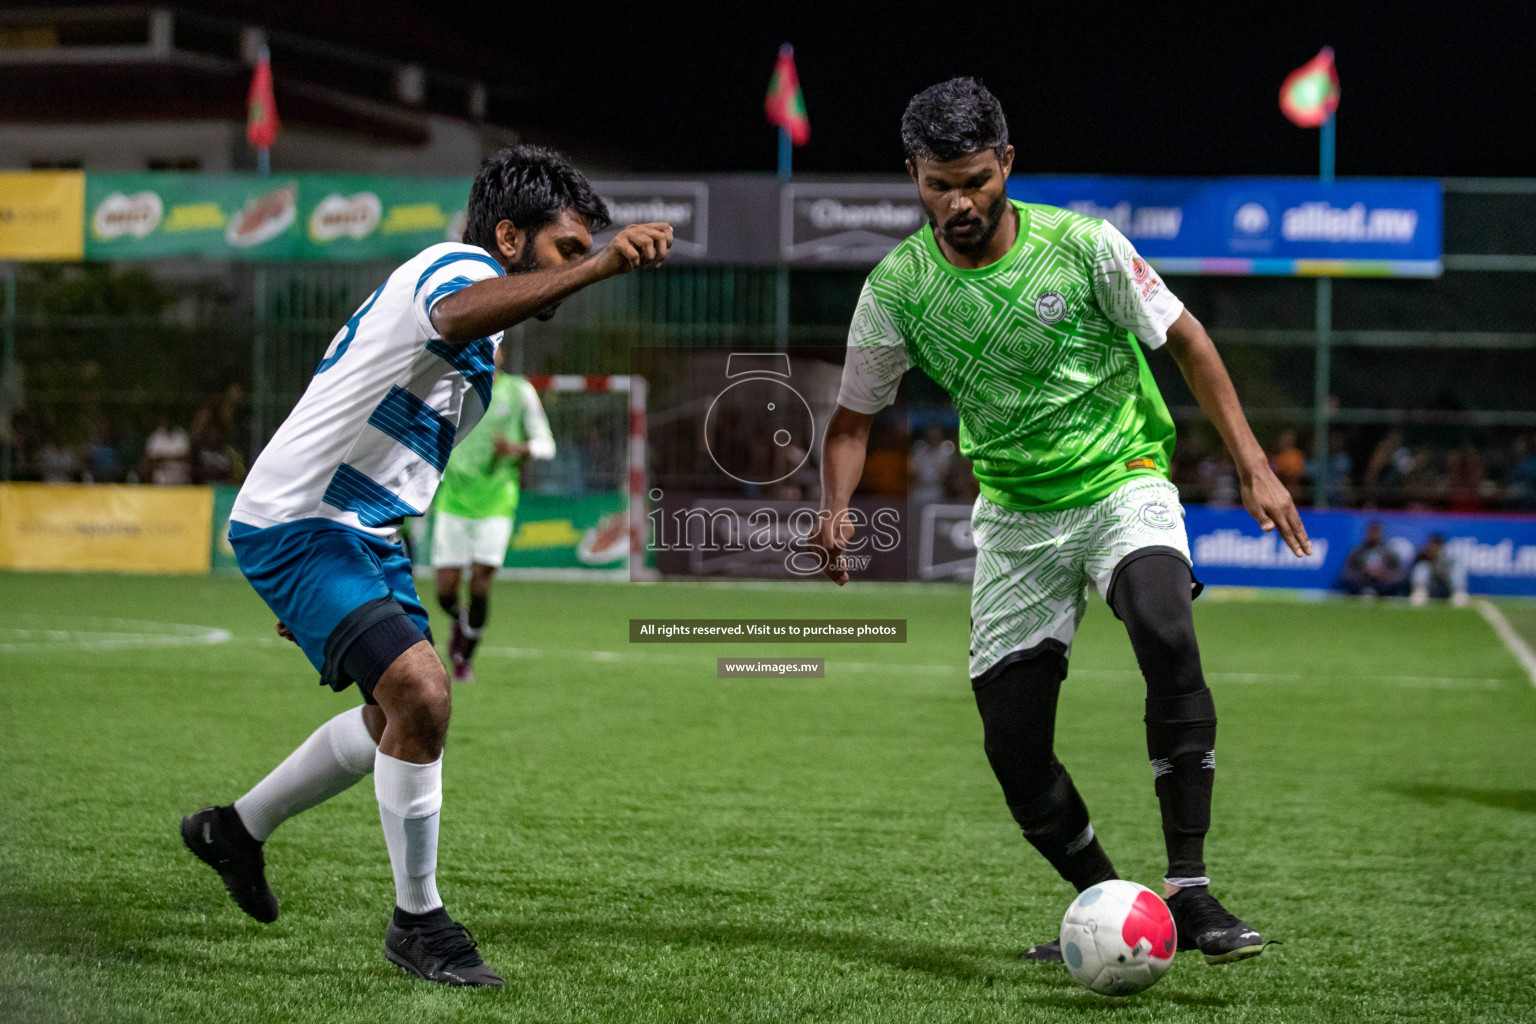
(527, 263)
(975, 242)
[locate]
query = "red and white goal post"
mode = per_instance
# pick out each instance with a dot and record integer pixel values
(633, 442)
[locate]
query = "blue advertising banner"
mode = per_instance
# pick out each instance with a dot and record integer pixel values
(1278, 226)
(1499, 552)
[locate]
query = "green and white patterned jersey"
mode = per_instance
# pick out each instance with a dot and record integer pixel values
(478, 483)
(1038, 352)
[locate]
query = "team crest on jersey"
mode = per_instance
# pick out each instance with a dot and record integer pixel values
(1157, 514)
(1051, 307)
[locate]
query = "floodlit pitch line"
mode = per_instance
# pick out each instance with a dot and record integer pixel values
(107, 635)
(1428, 682)
(1512, 640)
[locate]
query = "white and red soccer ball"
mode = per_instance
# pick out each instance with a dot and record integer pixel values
(1118, 938)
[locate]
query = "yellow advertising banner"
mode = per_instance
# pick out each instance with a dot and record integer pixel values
(117, 528)
(42, 215)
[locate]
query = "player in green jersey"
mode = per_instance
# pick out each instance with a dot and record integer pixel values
(1034, 320)
(476, 504)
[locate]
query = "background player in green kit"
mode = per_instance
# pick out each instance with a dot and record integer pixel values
(476, 505)
(1030, 317)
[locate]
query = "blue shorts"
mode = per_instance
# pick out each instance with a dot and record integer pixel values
(328, 583)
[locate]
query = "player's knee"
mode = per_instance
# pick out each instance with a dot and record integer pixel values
(425, 703)
(414, 694)
(1018, 711)
(1151, 595)
(1171, 634)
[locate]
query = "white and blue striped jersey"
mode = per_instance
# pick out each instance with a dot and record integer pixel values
(367, 443)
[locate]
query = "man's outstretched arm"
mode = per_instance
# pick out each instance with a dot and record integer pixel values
(497, 303)
(842, 464)
(1264, 496)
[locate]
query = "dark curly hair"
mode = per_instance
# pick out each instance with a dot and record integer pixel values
(952, 120)
(529, 186)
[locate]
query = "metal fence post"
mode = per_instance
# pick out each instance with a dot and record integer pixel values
(1322, 387)
(258, 360)
(8, 372)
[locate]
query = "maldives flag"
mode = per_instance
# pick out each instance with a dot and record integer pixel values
(261, 123)
(785, 106)
(1311, 92)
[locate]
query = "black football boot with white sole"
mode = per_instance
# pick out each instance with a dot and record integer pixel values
(1206, 925)
(1045, 953)
(218, 838)
(435, 947)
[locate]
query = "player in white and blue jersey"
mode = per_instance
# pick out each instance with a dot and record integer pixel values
(315, 528)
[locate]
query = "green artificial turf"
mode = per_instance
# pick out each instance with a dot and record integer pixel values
(633, 839)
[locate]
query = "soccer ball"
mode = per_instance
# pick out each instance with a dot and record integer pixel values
(1118, 938)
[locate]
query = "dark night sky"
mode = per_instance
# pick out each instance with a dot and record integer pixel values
(1428, 88)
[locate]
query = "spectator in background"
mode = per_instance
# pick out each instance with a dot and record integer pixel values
(1340, 470)
(1373, 569)
(1520, 478)
(961, 483)
(58, 463)
(214, 460)
(1289, 462)
(1437, 573)
(1467, 474)
(931, 456)
(23, 445)
(1389, 463)
(168, 455)
(229, 411)
(1218, 478)
(100, 455)
(885, 467)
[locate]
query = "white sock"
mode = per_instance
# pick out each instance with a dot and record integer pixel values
(334, 757)
(469, 631)
(410, 801)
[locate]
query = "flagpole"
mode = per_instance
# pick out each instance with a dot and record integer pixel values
(1323, 357)
(781, 275)
(259, 319)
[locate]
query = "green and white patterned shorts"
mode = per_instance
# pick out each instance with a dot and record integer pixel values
(1032, 568)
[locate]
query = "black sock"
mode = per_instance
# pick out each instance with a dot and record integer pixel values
(1056, 823)
(406, 919)
(1018, 713)
(479, 611)
(1152, 594)
(449, 604)
(1181, 741)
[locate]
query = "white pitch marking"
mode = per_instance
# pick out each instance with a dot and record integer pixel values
(1512, 640)
(106, 635)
